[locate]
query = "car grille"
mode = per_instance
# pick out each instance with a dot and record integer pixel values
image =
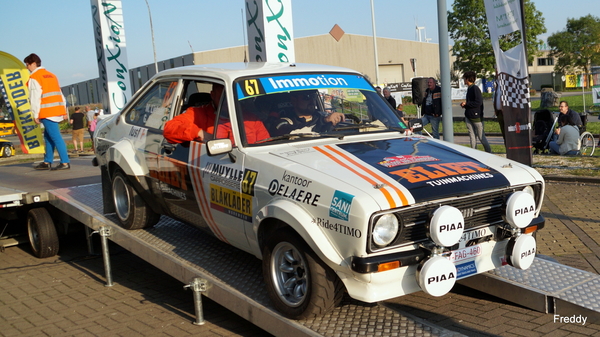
(478, 210)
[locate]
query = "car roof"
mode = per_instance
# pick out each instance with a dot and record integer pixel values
(231, 71)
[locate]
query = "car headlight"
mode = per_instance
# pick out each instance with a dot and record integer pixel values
(385, 230)
(529, 190)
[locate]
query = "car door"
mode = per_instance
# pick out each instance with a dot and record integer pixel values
(226, 198)
(145, 121)
(174, 179)
(199, 189)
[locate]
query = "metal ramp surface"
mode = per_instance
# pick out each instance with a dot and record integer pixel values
(546, 286)
(234, 277)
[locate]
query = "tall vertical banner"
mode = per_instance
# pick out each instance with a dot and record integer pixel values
(13, 87)
(504, 17)
(111, 54)
(270, 31)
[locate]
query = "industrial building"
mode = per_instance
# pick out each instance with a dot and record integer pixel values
(350, 51)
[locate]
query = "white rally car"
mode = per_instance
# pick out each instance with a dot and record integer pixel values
(330, 206)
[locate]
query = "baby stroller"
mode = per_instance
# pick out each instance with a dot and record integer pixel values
(544, 123)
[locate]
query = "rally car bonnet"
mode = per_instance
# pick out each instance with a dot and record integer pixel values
(427, 169)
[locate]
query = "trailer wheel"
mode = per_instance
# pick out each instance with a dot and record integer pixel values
(131, 209)
(42, 233)
(299, 284)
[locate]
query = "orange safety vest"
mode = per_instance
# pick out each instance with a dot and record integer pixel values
(52, 100)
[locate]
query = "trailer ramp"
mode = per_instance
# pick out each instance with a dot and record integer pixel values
(547, 286)
(233, 277)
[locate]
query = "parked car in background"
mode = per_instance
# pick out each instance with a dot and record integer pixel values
(7, 127)
(6, 148)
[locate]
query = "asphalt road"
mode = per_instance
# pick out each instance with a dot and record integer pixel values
(23, 177)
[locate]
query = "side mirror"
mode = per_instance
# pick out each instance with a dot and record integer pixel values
(416, 124)
(218, 146)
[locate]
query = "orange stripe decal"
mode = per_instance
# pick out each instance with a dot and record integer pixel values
(381, 178)
(371, 177)
(196, 177)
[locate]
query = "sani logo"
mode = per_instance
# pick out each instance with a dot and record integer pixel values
(340, 205)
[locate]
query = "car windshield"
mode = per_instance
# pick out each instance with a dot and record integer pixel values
(284, 108)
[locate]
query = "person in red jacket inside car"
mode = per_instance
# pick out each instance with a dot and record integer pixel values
(254, 128)
(196, 123)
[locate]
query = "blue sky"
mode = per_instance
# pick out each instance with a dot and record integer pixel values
(60, 32)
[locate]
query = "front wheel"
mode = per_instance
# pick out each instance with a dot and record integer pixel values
(6, 151)
(298, 283)
(131, 209)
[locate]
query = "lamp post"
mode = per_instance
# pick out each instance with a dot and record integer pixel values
(375, 44)
(152, 32)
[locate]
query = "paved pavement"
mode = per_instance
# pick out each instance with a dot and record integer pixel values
(65, 295)
(571, 236)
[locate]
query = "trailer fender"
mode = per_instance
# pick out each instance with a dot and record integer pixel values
(300, 221)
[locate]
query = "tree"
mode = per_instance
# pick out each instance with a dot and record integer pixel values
(578, 46)
(468, 27)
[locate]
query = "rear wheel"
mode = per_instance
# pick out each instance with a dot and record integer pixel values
(298, 283)
(588, 144)
(131, 209)
(42, 233)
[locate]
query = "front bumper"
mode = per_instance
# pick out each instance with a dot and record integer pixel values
(372, 264)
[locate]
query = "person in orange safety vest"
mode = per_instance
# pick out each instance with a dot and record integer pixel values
(49, 108)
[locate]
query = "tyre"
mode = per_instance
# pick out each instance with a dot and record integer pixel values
(6, 151)
(131, 209)
(299, 284)
(588, 144)
(42, 233)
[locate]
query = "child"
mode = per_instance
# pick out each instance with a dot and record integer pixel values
(92, 127)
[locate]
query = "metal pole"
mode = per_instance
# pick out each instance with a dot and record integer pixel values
(152, 32)
(375, 44)
(583, 79)
(88, 237)
(104, 234)
(445, 72)
(198, 285)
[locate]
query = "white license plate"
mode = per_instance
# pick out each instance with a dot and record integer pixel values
(465, 253)
(475, 234)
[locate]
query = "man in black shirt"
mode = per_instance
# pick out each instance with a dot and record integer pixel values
(432, 107)
(77, 120)
(574, 118)
(389, 98)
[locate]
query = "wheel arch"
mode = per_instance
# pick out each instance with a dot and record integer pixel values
(124, 156)
(284, 214)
